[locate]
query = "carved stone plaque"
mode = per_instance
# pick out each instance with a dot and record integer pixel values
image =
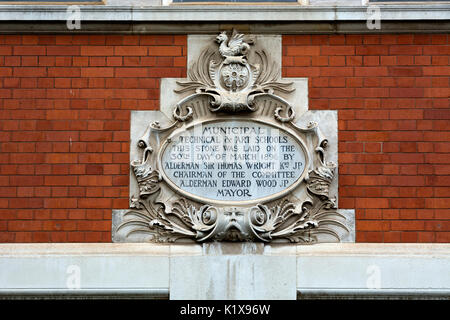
(232, 161)
(232, 164)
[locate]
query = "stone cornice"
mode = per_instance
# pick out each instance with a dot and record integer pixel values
(224, 13)
(286, 19)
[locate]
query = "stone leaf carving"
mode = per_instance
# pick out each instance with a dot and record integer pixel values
(230, 80)
(224, 84)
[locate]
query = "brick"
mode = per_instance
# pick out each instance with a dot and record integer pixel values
(165, 51)
(303, 50)
(368, 50)
(60, 203)
(372, 92)
(4, 203)
(337, 92)
(95, 180)
(96, 136)
(392, 237)
(336, 71)
(426, 214)
(436, 71)
(437, 225)
(439, 39)
(407, 225)
(66, 72)
(372, 147)
(405, 60)
(94, 203)
(29, 72)
(75, 237)
(371, 225)
(320, 40)
(436, 136)
(407, 125)
(408, 147)
(405, 136)
(25, 192)
(61, 114)
(371, 60)
(373, 236)
(61, 158)
(351, 147)
(29, 50)
(337, 50)
(439, 60)
(25, 203)
(406, 50)
(97, 72)
(436, 50)
(179, 61)
(425, 237)
(131, 93)
(436, 158)
(371, 71)
(436, 114)
(401, 158)
(60, 181)
(409, 237)
(407, 203)
(371, 39)
(410, 170)
(12, 39)
(161, 40)
(353, 39)
(63, 61)
(165, 72)
(95, 158)
(132, 51)
(407, 181)
(318, 60)
(26, 181)
(24, 225)
(371, 180)
(120, 181)
(97, 50)
(120, 203)
(8, 192)
(63, 50)
(441, 203)
(405, 71)
(131, 72)
(443, 147)
(41, 237)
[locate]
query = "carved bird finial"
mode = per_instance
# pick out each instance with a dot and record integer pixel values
(233, 47)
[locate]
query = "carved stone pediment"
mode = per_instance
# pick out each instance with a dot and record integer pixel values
(232, 165)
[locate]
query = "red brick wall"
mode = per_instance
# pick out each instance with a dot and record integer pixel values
(392, 93)
(64, 130)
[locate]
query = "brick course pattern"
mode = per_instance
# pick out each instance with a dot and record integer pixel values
(64, 128)
(392, 96)
(65, 104)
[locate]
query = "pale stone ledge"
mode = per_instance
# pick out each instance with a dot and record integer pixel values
(160, 271)
(224, 14)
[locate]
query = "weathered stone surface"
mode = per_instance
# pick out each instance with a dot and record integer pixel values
(233, 272)
(127, 270)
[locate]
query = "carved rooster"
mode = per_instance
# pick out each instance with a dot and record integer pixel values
(235, 47)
